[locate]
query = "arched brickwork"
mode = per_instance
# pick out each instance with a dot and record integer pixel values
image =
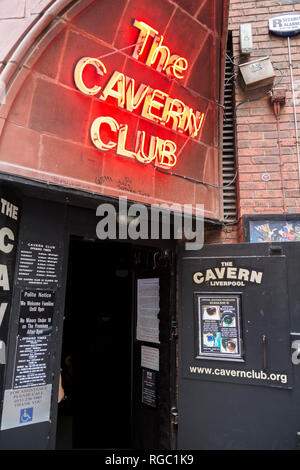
(46, 132)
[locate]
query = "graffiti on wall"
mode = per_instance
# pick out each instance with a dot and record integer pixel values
(274, 231)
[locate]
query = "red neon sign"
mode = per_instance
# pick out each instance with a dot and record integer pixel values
(160, 54)
(155, 105)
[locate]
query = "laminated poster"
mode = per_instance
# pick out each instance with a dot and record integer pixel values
(147, 328)
(219, 327)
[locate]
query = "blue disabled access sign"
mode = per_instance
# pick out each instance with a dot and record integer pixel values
(26, 415)
(285, 25)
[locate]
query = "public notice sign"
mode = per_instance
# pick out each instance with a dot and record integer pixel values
(219, 333)
(34, 335)
(28, 401)
(285, 25)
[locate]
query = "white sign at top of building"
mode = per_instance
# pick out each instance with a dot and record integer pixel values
(285, 25)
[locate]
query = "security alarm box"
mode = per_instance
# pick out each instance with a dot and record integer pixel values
(257, 73)
(246, 44)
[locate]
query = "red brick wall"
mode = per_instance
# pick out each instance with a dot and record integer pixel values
(46, 134)
(258, 150)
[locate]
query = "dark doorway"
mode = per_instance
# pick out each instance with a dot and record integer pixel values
(96, 350)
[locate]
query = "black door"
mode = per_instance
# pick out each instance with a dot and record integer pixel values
(239, 314)
(154, 349)
(117, 369)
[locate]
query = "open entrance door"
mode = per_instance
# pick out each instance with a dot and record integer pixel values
(114, 397)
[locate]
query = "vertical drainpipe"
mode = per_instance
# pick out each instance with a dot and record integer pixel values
(276, 108)
(294, 105)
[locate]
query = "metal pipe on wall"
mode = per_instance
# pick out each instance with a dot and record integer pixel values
(294, 105)
(276, 107)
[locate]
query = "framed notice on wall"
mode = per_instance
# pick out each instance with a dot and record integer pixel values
(218, 327)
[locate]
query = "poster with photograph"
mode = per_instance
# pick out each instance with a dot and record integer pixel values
(219, 327)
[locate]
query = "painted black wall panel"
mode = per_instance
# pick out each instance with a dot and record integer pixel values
(229, 412)
(223, 416)
(10, 214)
(31, 437)
(43, 222)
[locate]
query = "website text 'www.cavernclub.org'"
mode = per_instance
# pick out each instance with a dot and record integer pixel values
(247, 374)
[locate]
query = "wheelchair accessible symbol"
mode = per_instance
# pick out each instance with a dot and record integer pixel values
(26, 415)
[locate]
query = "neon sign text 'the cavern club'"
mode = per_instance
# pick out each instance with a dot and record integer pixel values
(154, 104)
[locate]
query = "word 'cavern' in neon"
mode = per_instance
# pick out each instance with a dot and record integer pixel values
(152, 104)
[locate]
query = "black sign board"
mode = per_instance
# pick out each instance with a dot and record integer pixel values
(36, 313)
(33, 342)
(149, 388)
(261, 387)
(38, 264)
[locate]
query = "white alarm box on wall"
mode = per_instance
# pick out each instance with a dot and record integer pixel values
(246, 43)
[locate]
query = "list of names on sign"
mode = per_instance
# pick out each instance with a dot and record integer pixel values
(38, 264)
(31, 362)
(35, 328)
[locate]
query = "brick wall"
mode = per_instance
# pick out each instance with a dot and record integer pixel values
(260, 148)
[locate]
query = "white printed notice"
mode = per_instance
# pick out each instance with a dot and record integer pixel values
(26, 406)
(150, 358)
(147, 328)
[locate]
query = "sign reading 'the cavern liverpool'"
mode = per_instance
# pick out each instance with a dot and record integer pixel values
(155, 104)
(228, 275)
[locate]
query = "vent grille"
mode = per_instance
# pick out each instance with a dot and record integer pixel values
(228, 157)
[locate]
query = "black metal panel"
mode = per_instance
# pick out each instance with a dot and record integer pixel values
(10, 213)
(43, 222)
(225, 404)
